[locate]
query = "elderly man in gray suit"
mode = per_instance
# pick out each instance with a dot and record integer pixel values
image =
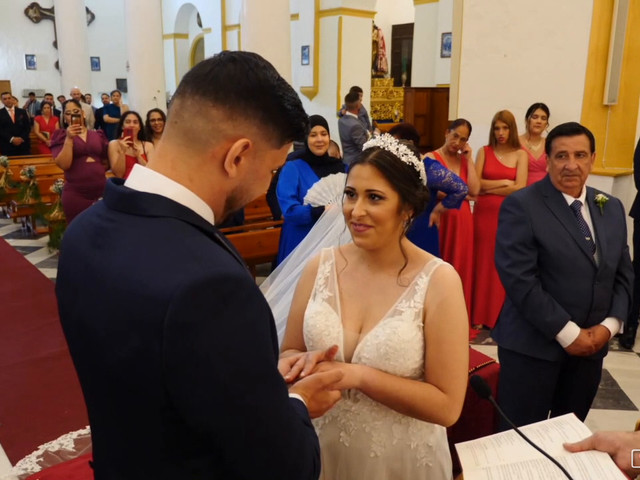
(353, 134)
(562, 256)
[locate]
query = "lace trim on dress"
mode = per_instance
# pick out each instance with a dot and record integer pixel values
(66, 447)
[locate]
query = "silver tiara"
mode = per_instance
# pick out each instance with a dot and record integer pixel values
(390, 144)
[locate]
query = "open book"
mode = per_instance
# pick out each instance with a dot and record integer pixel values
(506, 456)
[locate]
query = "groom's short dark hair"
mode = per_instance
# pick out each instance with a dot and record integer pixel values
(243, 84)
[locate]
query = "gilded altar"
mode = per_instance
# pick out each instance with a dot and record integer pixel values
(387, 101)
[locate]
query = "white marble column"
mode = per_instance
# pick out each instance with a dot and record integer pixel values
(266, 30)
(73, 46)
(145, 54)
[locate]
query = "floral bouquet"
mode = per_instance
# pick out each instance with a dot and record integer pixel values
(29, 192)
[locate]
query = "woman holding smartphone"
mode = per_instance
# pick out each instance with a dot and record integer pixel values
(130, 148)
(82, 154)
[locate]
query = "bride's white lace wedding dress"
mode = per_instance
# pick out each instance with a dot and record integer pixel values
(361, 438)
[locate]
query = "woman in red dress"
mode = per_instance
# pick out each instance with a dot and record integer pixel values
(131, 147)
(456, 226)
(43, 126)
(502, 167)
(536, 120)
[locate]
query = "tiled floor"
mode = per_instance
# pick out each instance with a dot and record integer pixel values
(615, 408)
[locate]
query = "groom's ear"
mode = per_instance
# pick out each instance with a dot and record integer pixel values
(236, 158)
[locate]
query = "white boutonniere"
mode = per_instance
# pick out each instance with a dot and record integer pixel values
(601, 199)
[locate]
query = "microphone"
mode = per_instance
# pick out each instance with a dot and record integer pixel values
(482, 388)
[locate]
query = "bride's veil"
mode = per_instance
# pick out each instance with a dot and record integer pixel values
(329, 231)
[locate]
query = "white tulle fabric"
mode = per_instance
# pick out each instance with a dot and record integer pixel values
(361, 438)
(329, 231)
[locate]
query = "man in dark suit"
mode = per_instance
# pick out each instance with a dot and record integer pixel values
(628, 338)
(353, 134)
(566, 270)
(15, 127)
(174, 345)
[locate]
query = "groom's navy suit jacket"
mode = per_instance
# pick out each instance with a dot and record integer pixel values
(549, 274)
(175, 348)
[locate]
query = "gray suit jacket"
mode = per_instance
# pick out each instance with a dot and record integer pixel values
(550, 276)
(353, 135)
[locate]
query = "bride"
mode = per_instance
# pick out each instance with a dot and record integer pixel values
(398, 316)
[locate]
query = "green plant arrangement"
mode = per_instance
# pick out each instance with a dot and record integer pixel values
(55, 217)
(28, 191)
(6, 181)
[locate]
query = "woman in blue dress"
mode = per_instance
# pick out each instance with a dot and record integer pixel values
(296, 178)
(447, 190)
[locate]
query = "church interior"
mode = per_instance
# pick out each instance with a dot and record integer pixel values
(424, 62)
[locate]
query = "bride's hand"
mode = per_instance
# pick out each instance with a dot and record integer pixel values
(352, 373)
(301, 365)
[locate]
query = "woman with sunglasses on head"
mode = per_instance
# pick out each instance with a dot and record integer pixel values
(130, 148)
(82, 154)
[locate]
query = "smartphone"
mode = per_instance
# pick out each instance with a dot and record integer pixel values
(76, 119)
(128, 132)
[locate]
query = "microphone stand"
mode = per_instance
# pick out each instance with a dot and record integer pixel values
(484, 391)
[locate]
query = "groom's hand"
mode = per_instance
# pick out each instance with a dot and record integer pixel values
(319, 391)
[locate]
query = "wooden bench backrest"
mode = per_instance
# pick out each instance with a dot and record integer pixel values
(257, 210)
(23, 160)
(257, 246)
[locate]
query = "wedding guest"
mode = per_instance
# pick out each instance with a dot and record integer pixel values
(15, 128)
(129, 150)
(536, 121)
(43, 126)
(447, 190)
(502, 167)
(154, 126)
(404, 350)
(82, 154)
(334, 150)
(32, 105)
(106, 100)
(296, 178)
(111, 114)
(456, 225)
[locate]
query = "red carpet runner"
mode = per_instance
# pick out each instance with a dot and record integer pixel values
(40, 397)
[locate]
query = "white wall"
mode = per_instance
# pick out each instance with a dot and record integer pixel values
(519, 52)
(107, 40)
(393, 12)
(19, 36)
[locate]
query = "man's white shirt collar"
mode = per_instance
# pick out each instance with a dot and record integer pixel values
(146, 180)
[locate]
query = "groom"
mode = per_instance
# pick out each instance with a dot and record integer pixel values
(174, 345)
(562, 256)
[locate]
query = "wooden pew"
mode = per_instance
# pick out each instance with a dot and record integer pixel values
(256, 242)
(257, 210)
(46, 173)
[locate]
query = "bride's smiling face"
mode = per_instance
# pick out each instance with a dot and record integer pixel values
(372, 208)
